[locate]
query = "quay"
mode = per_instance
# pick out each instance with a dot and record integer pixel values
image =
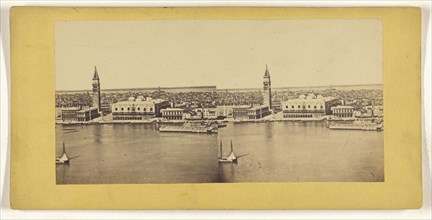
(212, 126)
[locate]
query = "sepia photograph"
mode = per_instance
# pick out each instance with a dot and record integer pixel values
(219, 101)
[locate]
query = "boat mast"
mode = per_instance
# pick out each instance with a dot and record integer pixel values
(64, 148)
(220, 148)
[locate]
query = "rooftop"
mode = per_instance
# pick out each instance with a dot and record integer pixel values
(342, 106)
(172, 109)
(259, 107)
(88, 109)
(141, 99)
(241, 107)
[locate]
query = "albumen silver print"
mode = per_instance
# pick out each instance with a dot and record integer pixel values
(219, 101)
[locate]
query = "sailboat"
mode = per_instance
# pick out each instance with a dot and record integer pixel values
(64, 159)
(232, 158)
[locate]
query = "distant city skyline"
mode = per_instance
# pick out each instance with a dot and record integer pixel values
(227, 54)
(223, 89)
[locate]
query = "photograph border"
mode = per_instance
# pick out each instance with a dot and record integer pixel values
(33, 133)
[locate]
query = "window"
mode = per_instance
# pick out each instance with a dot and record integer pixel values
(151, 109)
(145, 109)
(299, 106)
(286, 106)
(128, 109)
(315, 107)
(321, 106)
(138, 108)
(308, 106)
(292, 106)
(116, 109)
(122, 109)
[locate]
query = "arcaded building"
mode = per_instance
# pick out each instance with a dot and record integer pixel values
(172, 113)
(310, 106)
(343, 111)
(258, 112)
(241, 112)
(138, 109)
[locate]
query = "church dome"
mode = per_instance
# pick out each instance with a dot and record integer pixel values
(311, 96)
(302, 97)
(131, 99)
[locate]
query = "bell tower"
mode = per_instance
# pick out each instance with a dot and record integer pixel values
(96, 90)
(267, 89)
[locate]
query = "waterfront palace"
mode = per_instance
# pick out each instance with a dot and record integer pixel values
(138, 109)
(310, 106)
(143, 108)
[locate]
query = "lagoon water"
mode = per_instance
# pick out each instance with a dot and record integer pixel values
(272, 152)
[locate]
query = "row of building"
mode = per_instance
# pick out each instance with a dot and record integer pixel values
(141, 108)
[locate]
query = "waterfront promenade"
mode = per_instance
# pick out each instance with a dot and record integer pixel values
(267, 119)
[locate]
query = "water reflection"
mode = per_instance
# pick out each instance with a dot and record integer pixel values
(275, 152)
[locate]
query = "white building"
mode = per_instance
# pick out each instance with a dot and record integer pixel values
(378, 111)
(209, 113)
(226, 110)
(138, 109)
(343, 111)
(172, 113)
(310, 106)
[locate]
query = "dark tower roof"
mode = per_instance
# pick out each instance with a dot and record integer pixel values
(96, 75)
(266, 74)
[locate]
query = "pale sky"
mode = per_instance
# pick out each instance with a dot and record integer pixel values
(223, 53)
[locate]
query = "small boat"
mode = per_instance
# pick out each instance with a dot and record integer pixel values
(232, 158)
(357, 126)
(64, 159)
(189, 129)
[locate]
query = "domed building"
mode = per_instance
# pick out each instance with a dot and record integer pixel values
(139, 99)
(311, 96)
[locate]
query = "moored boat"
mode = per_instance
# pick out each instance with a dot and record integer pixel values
(189, 129)
(64, 159)
(232, 158)
(360, 126)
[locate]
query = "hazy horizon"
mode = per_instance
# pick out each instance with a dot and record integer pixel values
(155, 87)
(228, 54)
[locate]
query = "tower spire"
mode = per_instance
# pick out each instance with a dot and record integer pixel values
(96, 75)
(96, 90)
(267, 95)
(266, 74)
